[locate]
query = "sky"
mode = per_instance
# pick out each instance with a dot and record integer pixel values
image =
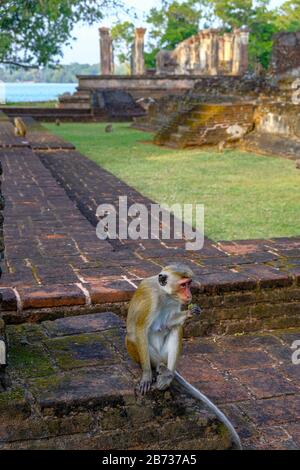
(85, 49)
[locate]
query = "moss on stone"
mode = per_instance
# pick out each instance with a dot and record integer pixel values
(81, 350)
(27, 360)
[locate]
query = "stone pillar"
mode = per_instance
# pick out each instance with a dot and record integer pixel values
(183, 58)
(244, 65)
(106, 52)
(138, 63)
(228, 52)
(203, 52)
(221, 53)
(195, 54)
(240, 52)
(213, 53)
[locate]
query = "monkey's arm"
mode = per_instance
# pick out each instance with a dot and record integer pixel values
(178, 319)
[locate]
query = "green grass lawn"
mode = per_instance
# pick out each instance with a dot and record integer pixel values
(245, 195)
(31, 104)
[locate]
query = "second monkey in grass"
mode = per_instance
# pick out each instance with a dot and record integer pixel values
(155, 324)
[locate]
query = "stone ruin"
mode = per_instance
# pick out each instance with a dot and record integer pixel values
(263, 109)
(199, 91)
(207, 53)
(286, 54)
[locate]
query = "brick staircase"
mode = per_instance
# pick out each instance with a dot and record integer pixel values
(205, 124)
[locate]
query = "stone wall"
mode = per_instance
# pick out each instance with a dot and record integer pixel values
(286, 53)
(207, 124)
(138, 86)
(216, 90)
(278, 118)
(207, 53)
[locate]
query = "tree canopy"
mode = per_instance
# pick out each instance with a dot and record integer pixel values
(174, 20)
(33, 32)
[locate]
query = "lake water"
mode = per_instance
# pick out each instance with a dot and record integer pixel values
(17, 92)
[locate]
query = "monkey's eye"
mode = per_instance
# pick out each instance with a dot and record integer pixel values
(186, 284)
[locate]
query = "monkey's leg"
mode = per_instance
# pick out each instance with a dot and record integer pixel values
(171, 348)
(142, 346)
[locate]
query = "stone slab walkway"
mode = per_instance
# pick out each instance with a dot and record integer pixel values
(73, 387)
(53, 257)
(254, 382)
(56, 266)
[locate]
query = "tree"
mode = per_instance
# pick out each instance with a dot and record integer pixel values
(288, 18)
(123, 36)
(258, 17)
(33, 32)
(174, 22)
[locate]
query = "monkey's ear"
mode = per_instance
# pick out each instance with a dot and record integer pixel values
(163, 279)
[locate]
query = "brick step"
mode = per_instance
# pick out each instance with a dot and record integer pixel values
(202, 114)
(52, 114)
(73, 387)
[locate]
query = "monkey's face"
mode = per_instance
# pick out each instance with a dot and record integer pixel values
(175, 286)
(184, 290)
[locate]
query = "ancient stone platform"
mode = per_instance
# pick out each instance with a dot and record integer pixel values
(56, 267)
(54, 259)
(72, 388)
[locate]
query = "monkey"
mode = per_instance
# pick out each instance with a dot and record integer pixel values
(57, 122)
(221, 145)
(109, 128)
(155, 330)
(154, 324)
(20, 127)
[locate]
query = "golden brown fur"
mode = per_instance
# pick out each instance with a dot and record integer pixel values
(20, 127)
(155, 324)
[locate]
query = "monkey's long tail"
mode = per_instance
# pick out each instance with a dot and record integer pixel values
(199, 396)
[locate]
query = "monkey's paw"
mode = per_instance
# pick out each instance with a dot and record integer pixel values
(194, 310)
(145, 384)
(164, 377)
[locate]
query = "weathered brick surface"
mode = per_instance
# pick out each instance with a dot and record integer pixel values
(207, 124)
(54, 259)
(77, 377)
(253, 380)
(79, 386)
(2, 324)
(39, 138)
(286, 55)
(80, 394)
